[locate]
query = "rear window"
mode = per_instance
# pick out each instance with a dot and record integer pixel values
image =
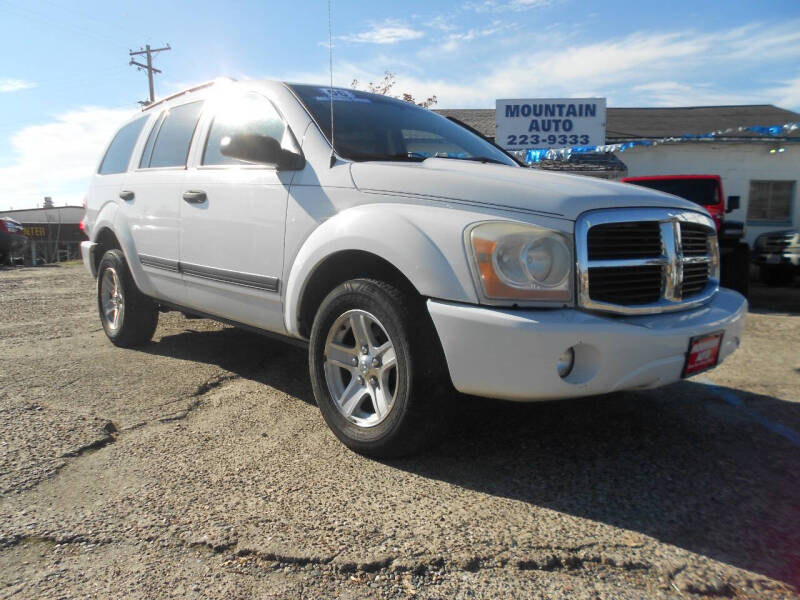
(171, 148)
(700, 191)
(119, 152)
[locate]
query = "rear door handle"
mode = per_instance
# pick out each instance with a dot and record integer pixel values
(194, 196)
(127, 195)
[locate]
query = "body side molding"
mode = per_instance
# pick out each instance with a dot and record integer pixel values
(259, 282)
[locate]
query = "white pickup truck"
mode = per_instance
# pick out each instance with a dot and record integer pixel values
(406, 251)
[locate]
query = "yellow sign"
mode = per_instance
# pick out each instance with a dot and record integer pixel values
(37, 232)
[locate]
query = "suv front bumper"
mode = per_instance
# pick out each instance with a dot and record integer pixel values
(512, 354)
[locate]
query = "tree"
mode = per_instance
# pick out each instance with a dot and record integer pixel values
(384, 88)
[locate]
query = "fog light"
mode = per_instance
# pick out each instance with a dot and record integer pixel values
(565, 362)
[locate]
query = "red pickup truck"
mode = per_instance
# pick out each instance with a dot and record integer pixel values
(706, 190)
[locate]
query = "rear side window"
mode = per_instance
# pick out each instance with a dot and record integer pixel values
(119, 152)
(151, 140)
(171, 147)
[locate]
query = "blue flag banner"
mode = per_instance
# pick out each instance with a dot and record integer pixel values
(535, 155)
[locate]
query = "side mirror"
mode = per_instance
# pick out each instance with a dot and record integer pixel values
(733, 204)
(259, 149)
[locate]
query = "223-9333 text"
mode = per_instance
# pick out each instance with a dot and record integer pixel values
(534, 139)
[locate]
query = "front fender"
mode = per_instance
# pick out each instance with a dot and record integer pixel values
(427, 249)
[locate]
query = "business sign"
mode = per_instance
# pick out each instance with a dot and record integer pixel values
(550, 123)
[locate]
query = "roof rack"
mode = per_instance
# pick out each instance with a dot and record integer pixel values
(187, 91)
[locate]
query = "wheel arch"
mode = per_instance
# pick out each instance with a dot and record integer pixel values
(373, 242)
(111, 230)
(338, 268)
(106, 240)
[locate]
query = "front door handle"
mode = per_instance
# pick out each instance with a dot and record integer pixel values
(194, 196)
(127, 195)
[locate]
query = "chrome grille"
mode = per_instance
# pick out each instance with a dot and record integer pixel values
(645, 260)
(624, 240)
(775, 242)
(629, 285)
(695, 278)
(694, 239)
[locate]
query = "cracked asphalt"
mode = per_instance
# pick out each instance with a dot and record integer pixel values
(199, 467)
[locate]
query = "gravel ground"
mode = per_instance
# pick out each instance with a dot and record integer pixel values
(199, 467)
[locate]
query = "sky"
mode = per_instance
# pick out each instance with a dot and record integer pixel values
(65, 82)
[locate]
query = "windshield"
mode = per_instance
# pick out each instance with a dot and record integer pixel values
(700, 191)
(374, 127)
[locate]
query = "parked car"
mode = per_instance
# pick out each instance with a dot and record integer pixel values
(777, 255)
(12, 239)
(409, 254)
(706, 190)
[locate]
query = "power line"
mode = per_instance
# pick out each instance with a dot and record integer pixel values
(26, 12)
(148, 52)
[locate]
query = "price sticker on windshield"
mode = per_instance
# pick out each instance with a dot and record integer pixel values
(703, 353)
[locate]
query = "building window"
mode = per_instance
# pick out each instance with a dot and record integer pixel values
(770, 201)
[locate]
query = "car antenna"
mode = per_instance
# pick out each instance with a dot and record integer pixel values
(330, 59)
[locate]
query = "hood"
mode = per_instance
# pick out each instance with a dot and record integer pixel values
(507, 188)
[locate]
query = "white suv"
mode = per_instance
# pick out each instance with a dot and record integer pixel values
(407, 251)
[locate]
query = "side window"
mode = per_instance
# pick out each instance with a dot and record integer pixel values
(147, 154)
(171, 146)
(119, 152)
(248, 114)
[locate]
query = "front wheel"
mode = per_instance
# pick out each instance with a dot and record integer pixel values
(370, 355)
(129, 317)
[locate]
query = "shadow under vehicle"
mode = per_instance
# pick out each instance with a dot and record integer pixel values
(678, 464)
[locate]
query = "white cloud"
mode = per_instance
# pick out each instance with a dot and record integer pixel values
(674, 93)
(454, 41)
(506, 5)
(387, 32)
(57, 158)
(639, 69)
(14, 85)
(787, 94)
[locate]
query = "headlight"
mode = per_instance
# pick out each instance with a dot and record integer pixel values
(514, 261)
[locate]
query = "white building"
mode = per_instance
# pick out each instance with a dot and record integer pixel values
(762, 170)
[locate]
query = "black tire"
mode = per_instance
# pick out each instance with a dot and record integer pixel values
(776, 275)
(413, 418)
(137, 315)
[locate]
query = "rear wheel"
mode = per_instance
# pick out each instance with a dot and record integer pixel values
(129, 317)
(370, 358)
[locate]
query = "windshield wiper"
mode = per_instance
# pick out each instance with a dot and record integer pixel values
(481, 159)
(419, 157)
(407, 156)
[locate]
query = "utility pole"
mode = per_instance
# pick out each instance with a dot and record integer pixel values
(148, 67)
